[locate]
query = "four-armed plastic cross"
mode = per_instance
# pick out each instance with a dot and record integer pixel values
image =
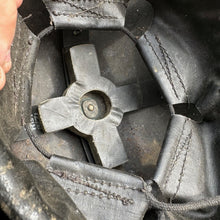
(92, 107)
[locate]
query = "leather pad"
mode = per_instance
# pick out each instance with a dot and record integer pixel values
(184, 171)
(176, 58)
(109, 194)
(82, 14)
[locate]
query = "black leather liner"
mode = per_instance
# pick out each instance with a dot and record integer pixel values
(175, 50)
(188, 168)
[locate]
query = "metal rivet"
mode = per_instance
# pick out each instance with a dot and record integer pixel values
(91, 107)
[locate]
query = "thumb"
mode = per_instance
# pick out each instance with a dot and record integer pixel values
(18, 3)
(2, 78)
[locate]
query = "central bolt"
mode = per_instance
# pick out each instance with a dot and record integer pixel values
(95, 105)
(91, 107)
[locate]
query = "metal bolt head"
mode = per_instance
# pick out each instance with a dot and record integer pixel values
(91, 107)
(95, 105)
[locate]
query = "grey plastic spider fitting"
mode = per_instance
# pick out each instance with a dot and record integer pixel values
(92, 107)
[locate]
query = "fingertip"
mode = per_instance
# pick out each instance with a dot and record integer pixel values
(2, 78)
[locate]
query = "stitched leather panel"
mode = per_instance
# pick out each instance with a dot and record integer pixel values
(87, 13)
(109, 194)
(175, 57)
(184, 171)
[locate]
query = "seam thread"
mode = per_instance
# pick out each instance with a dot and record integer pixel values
(103, 192)
(184, 165)
(165, 60)
(172, 63)
(24, 61)
(97, 1)
(15, 69)
(124, 200)
(75, 177)
(83, 9)
(175, 156)
(167, 75)
(55, 13)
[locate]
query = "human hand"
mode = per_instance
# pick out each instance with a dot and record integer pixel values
(8, 17)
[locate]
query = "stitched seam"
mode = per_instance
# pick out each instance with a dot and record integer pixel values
(176, 71)
(124, 3)
(15, 69)
(165, 62)
(88, 179)
(155, 53)
(83, 9)
(184, 165)
(103, 192)
(55, 13)
(109, 195)
(181, 149)
(21, 83)
(172, 64)
(175, 156)
(24, 61)
(95, 1)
